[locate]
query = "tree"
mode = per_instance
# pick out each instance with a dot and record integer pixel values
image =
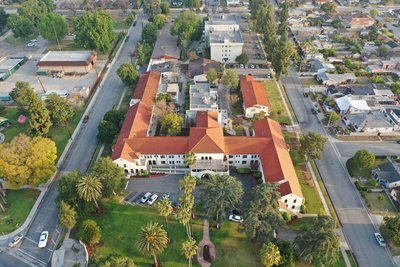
(312, 145)
(266, 25)
(39, 122)
(131, 17)
(160, 20)
(184, 212)
(337, 23)
(242, 59)
(320, 242)
(3, 19)
(212, 75)
(66, 187)
(27, 161)
(94, 30)
(382, 51)
(152, 240)
(149, 33)
(60, 110)
(165, 209)
(72, 5)
(152, 7)
(140, 56)
(364, 159)
(392, 225)
(20, 26)
(68, 215)
(89, 188)
(115, 260)
(91, 233)
(373, 13)
(111, 176)
(167, 97)
(331, 117)
(164, 8)
(329, 8)
(270, 255)
(186, 26)
(288, 253)
(190, 159)
(128, 74)
(189, 249)
(114, 116)
(395, 87)
(192, 3)
(162, 108)
(23, 94)
(222, 193)
(263, 215)
(230, 79)
(53, 27)
(187, 184)
(171, 124)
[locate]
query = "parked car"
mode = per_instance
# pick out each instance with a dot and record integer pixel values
(33, 41)
(252, 66)
(126, 38)
(314, 111)
(43, 239)
(16, 239)
(305, 94)
(380, 240)
(166, 195)
(86, 119)
(30, 45)
(137, 67)
(152, 199)
(145, 197)
(235, 218)
(398, 141)
(241, 66)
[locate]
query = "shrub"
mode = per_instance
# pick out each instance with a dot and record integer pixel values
(287, 216)
(303, 209)
(257, 175)
(243, 170)
(380, 198)
(373, 182)
(360, 186)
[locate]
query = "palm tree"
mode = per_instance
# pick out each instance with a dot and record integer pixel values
(89, 188)
(187, 184)
(152, 240)
(190, 159)
(189, 249)
(220, 194)
(184, 213)
(67, 215)
(164, 207)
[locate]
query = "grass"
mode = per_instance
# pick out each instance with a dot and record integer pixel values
(279, 112)
(313, 201)
(356, 172)
(233, 247)
(301, 223)
(351, 258)
(381, 206)
(18, 41)
(121, 224)
(58, 134)
(308, 82)
(65, 45)
(394, 248)
(120, 24)
(19, 204)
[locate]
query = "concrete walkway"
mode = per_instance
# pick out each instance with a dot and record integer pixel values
(206, 241)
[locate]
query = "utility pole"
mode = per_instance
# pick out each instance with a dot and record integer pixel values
(41, 84)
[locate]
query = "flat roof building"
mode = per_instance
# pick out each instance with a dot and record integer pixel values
(67, 61)
(225, 46)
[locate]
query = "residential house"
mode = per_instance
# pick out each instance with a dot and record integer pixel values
(387, 174)
(266, 151)
(357, 21)
(392, 114)
(202, 66)
(318, 66)
(255, 99)
(373, 122)
(335, 79)
(395, 194)
(347, 105)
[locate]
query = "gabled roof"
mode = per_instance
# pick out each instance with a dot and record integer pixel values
(388, 172)
(206, 140)
(208, 119)
(253, 92)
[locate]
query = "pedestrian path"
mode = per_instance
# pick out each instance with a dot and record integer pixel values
(205, 242)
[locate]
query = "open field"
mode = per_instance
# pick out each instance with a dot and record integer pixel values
(279, 112)
(379, 203)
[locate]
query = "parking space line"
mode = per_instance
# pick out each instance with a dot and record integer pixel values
(27, 238)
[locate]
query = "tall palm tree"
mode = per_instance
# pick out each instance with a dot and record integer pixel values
(89, 188)
(152, 240)
(165, 208)
(187, 184)
(189, 249)
(185, 211)
(190, 159)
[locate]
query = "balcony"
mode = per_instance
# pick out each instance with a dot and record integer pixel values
(216, 165)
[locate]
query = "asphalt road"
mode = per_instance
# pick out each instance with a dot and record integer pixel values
(78, 158)
(355, 220)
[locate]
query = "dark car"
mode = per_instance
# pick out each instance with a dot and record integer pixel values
(398, 141)
(86, 119)
(127, 38)
(314, 111)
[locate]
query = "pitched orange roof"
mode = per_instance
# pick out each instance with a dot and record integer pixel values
(253, 92)
(208, 119)
(206, 140)
(159, 145)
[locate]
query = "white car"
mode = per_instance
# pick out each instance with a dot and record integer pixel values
(137, 67)
(30, 45)
(380, 240)
(152, 199)
(43, 239)
(16, 239)
(34, 41)
(236, 218)
(145, 197)
(166, 195)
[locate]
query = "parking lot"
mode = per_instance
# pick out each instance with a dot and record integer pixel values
(252, 46)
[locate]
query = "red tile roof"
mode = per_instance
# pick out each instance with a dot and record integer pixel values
(207, 119)
(253, 92)
(206, 140)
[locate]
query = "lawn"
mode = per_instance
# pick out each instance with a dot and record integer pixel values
(355, 172)
(65, 45)
(233, 247)
(379, 206)
(58, 134)
(301, 223)
(18, 41)
(279, 112)
(120, 24)
(121, 224)
(394, 248)
(19, 204)
(308, 82)
(313, 201)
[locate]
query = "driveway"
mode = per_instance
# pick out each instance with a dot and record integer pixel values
(248, 182)
(165, 184)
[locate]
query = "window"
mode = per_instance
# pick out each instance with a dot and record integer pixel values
(293, 207)
(163, 162)
(124, 165)
(244, 156)
(230, 162)
(294, 201)
(230, 156)
(286, 201)
(202, 158)
(244, 162)
(132, 171)
(162, 156)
